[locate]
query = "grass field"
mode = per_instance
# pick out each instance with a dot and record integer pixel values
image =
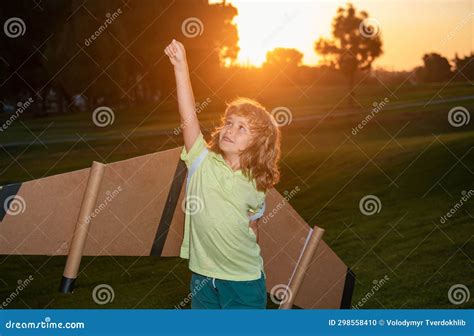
(411, 158)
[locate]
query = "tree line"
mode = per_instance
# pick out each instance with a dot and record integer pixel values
(111, 52)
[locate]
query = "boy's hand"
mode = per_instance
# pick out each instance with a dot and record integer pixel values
(175, 51)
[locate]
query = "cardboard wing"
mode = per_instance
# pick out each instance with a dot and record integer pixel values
(317, 280)
(40, 216)
(135, 208)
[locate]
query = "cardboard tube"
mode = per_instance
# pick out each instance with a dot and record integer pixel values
(82, 227)
(301, 268)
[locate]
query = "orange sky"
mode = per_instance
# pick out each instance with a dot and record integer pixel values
(409, 28)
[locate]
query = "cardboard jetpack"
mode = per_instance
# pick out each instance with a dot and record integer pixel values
(136, 207)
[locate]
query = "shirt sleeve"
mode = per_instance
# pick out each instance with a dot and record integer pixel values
(196, 149)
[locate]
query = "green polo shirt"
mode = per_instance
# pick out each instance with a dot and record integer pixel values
(218, 240)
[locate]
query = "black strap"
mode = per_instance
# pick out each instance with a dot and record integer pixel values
(5, 192)
(169, 209)
(349, 284)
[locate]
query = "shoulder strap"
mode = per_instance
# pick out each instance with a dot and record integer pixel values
(195, 165)
(258, 214)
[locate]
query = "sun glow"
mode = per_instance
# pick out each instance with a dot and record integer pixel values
(446, 28)
(264, 26)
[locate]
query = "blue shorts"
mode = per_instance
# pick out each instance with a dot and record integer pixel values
(212, 293)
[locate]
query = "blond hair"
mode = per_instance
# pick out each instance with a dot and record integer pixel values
(260, 159)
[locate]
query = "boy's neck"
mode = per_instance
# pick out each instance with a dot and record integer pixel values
(233, 161)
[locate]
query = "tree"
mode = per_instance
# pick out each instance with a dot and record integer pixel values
(355, 44)
(436, 68)
(22, 44)
(283, 58)
(282, 64)
(464, 67)
(125, 60)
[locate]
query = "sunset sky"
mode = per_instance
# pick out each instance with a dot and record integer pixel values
(409, 28)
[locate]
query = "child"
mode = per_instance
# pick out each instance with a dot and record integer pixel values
(225, 195)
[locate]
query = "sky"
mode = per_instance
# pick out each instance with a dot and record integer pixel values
(408, 28)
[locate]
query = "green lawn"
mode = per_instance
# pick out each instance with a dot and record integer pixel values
(418, 177)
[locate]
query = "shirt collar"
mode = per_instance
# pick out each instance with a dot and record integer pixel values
(219, 158)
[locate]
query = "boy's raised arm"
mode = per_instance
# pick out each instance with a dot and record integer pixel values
(189, 121)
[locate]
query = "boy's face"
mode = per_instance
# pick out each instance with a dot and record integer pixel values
(235, 136)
